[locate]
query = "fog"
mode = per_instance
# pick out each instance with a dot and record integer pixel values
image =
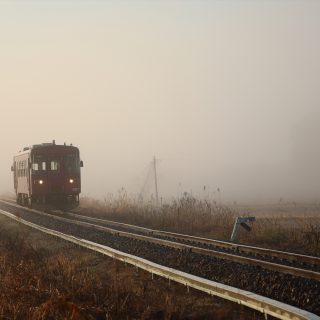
(225, 94)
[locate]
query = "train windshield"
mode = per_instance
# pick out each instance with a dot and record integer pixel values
(67, 163)
(39, 164)
(71, 163)
(55, 165)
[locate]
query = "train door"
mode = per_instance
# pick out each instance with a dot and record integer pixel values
(29, 176)
(15, 178)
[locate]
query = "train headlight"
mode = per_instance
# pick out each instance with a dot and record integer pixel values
(71, 180)
(40, 181)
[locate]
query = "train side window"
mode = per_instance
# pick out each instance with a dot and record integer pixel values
(54, 165)
(35, 166)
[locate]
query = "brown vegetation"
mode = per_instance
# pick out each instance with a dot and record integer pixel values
(186, 215)
(301, 235)
(69, 283)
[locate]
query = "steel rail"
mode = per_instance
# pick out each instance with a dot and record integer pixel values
(262, 304)
(221, 255)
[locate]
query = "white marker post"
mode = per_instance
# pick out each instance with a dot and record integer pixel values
(242, 221)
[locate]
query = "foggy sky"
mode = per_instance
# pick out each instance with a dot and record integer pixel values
(224, 93)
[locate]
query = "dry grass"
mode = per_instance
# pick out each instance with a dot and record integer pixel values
(300, 234)
(34, 286)
(38, 285)
(187, 214)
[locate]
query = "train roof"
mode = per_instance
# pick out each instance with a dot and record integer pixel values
(43, 145)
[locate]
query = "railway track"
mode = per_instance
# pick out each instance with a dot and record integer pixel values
(272, 278)
(292, 263)
(297, 261)
(279, 261)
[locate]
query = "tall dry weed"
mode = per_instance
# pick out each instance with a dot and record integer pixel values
(186, 214)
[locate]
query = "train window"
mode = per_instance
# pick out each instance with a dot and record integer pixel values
(71, 163)
(44, 165)
(55, 166)
(35, 166)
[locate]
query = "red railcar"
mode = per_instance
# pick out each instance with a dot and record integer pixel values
(48, 174)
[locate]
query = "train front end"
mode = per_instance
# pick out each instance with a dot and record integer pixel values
(55, 177)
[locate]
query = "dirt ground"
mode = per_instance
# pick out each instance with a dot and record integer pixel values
(42, 277)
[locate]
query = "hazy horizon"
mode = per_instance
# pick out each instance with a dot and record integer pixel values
(225, 94)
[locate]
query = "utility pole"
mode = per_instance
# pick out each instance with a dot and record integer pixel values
(155, 180)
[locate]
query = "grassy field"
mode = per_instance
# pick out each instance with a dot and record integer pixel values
(284, 226)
